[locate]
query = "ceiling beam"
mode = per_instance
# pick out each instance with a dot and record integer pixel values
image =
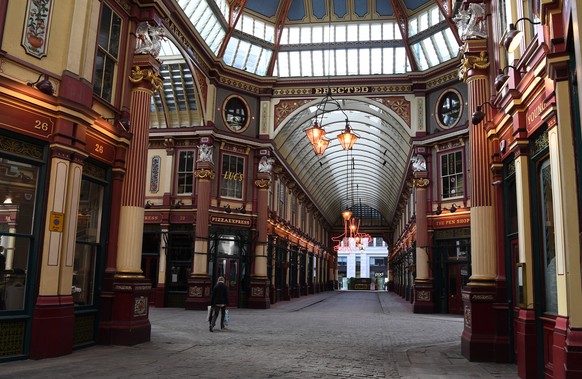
(446, 9)
(234, 13)
(402, 21)
(282, 13)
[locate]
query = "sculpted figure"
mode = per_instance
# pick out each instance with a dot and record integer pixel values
(418, 163)
(149, 39)
(205, 153)
(266, 164)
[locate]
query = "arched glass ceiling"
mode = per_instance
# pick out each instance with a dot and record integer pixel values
(380, 159)
(357, 43)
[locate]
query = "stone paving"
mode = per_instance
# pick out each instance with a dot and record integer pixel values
(341, 334)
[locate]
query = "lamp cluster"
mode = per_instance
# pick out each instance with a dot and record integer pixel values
(316, 133)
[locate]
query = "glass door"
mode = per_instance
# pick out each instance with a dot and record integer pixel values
(229, 269)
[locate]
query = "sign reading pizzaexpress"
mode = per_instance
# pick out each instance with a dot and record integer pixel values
(229, 221)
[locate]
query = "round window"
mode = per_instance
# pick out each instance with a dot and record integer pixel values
(449, 109)
(236, 114)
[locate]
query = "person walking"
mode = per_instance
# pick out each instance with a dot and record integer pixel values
(219, 302)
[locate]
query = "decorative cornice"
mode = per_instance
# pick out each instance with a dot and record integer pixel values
(443, 79)
(238, 84)
(203, 173)
(138, 74)
(399, 105)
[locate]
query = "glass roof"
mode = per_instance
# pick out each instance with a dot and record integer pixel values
(327, 44)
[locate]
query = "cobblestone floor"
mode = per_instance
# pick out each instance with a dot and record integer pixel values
(341, 334)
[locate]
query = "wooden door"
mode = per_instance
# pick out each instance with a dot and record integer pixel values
(454, 289)
(229, 269)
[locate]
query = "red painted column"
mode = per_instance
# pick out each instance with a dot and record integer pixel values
(128, 323)
(423, 300)
(259, 291)
(199, 283)
(479, 341)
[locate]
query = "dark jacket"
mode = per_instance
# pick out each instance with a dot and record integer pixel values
(219, 294)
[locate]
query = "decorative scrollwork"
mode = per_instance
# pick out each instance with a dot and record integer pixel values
(472, 62)
(138, 74)
(420, 182)
(263, 183)
(204, 174)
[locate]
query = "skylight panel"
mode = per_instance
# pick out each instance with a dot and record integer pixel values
(420, 57)
(306, 63)
(423, 21)
(294, 63)
(333, 70)
(364, 32)
(435, 16)
(451, 42)
(269, 33)
(388, 31)
(228, 57)
(241, 54)
(285, 36)
(341, 62)
(222, 5)
(305, 34)
(412, 26)
(353, 63)
(259, 29)
(352, 30)
(206, 23)
(364, 61)
(376, 32)
(216, 36)
(430, 52)
(318, 63)
(399, 60)
(388, 60)
(441, 46)
(294, 35)
(376, 60)
(283, 64)
(253, 58)
(340, 34)
(317, 34)
(263, 64)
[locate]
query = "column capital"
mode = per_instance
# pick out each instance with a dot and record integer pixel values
(147, 76)
(420, 182)
(204, 173)
(263, 183)
(473, 64)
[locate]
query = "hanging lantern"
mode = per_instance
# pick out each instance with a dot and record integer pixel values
(320, 146)
(315, 133)
(347, 138)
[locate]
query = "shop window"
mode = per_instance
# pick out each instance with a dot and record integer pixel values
(88, 242)
(17, 199)
(185, 173)
(547, 238)
(281, 205)
(452, 178)
(107, 58)
(232, 176)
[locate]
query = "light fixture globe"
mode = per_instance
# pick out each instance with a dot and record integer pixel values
(347, 138)
(315, 133)
(347, 214)
(500, 79)
(477, 116)
(512, 39)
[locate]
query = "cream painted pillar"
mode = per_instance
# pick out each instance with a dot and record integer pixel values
(565, 202)
(56, 273)
(524, 226)
(163, 254)
(145, 80)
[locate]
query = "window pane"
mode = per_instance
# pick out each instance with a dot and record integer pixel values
(364, 61)
(83, 285)
(89, 213)
(352, 62)
(548, 239)
(232, 176)
(13, 271)
(306, 63)
(342, 63)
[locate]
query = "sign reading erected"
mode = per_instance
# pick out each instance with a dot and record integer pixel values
(229, 221)
(56, 222)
